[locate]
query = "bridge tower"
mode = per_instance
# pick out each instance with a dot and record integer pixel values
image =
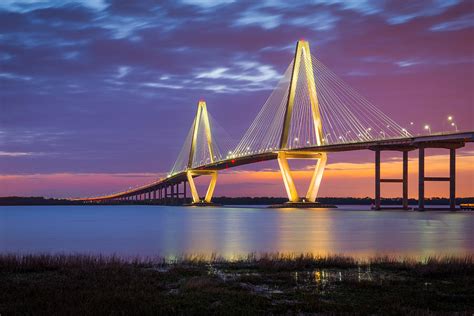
(302, 59)
(201, 119)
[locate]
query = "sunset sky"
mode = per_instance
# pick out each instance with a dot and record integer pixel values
(97, 96)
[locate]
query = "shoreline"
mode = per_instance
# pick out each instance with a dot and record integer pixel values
(37, 201)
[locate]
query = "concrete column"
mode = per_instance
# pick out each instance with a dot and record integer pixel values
(377, 179)
(172, 194)
(177, 193)
(421, 179)
(184, 192)
(405, 180)
(452, 179)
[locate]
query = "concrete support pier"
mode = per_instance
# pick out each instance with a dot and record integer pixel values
(451, 179)
(405, 180)
(379, 180)
(421, 179)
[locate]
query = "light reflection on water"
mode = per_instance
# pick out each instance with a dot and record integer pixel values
(233, 231)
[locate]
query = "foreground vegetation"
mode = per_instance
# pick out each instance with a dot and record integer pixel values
(264, 284)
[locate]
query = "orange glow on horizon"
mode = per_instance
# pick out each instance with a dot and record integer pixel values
(340, 179)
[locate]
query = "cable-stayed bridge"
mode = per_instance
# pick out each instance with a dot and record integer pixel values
(309, 114)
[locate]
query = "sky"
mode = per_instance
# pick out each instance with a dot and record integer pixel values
(97, 96)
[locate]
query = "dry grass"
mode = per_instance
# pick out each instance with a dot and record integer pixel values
(268, 283)
(263, 261)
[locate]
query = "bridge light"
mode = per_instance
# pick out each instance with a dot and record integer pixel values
(296, 139)
(411, 123)
(450, 118)
(428, 128)
(454, 125)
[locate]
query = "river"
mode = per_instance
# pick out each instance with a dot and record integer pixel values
(148, 231)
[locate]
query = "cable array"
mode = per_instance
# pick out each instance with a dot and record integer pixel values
(201, 154)
(181, 163)
(264, 133)
(346, 116)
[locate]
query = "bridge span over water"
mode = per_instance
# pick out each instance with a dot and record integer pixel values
(309, 114)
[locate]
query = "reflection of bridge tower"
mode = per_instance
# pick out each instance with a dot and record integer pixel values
(201, 121)
(302, 59)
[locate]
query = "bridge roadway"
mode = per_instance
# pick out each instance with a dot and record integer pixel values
(450, 141)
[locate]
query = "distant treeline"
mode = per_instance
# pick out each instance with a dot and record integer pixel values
(35, 200)
(334, 200)
(16, 200)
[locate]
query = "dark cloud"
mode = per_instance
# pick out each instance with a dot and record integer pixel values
(112, 86)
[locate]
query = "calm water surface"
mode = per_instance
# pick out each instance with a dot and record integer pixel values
(229, 231)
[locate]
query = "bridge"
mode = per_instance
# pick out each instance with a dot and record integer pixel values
(309, 114)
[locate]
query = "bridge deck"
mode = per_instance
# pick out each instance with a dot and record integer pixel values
(445, 140)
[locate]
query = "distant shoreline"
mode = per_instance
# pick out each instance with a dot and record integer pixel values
(24, 201)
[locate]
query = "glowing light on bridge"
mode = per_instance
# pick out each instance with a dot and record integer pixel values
(428, 128)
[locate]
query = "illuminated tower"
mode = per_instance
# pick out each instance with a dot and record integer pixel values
(302, 59)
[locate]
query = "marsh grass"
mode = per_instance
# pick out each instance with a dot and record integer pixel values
(251, 284)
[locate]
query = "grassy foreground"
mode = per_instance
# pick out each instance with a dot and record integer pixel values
(256, 284)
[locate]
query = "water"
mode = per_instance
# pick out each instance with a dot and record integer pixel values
(231, 231)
